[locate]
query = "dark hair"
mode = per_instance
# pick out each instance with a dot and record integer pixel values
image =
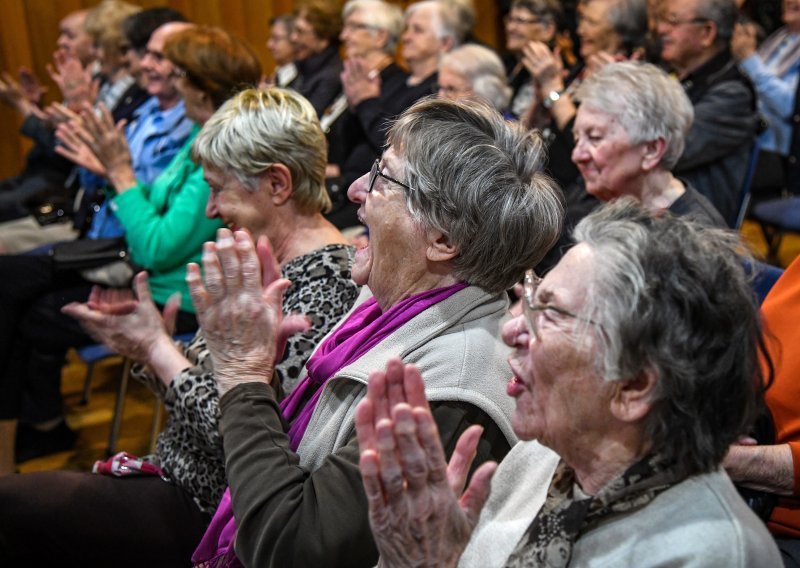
(672, 297)
(215, 61)
(325, 17)
(139, 27)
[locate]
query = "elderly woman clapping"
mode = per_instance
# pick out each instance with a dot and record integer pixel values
(456, 208)
(636, 363)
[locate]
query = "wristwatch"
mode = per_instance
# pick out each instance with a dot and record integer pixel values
(551, 98)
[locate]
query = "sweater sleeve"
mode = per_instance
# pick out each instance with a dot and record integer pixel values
(162, 240)
(288, 516)
(776, 93)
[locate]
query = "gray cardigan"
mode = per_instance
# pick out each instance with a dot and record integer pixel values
(701, 521)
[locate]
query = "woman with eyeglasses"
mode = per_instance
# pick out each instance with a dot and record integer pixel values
(456, 208)
(635, 365)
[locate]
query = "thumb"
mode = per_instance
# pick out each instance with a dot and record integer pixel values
(477, 493)
(170, 313)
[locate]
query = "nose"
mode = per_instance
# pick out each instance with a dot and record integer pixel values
(579, 153)
(357, 192)
(515, 333)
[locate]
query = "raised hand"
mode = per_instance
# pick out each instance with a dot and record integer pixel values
(238, 304)
(359, 82)
(416, 514)
(31, 88)
(12, 94)
(545, 66)
(75, 82)
(75, 140)
(129, 325)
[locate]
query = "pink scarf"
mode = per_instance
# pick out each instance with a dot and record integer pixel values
(366, 326)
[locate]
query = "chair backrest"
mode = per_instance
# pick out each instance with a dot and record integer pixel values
(763, 276)
(744, 192)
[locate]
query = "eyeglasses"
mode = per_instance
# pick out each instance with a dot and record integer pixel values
(449, 90)
(358, 26)
(673, 21)
(179, 72)
(531, 309)
(376, 171)
(508, 20)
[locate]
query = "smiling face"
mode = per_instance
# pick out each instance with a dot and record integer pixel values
(595, 32)
(791, 14)
(684, 36)
(523, 26)
(158, 70)
(419, 38)
(559, 395)
(358, 37)
(235, 204)
(305, 40)
(610, 165)
(279, 44)
(395, 258)
(73, 39)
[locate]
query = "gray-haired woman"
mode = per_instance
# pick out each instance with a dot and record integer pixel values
(474, 71)
(456, 208)
(636, 364)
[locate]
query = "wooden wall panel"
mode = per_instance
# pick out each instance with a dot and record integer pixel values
(29, 29)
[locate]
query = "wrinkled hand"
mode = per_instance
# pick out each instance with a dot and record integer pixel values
(359, 82)
(107, 142)
(129, 325)
(744, 41)
(75, 82)
(32, 89)
(73, 137)
(238, 305)
(545, 66)
(12, 94)
(416, 516)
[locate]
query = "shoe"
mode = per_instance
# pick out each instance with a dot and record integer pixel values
(33, 443)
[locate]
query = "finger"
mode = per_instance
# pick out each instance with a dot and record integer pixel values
(462, 458)
(250, 269)
(229, 260)
(376, 392)
(270, 270)
(411, 454)
(394, 382)
(428, 435)
(288, 327)
(365, 426)
(391, 472)
(414, 387)
(477, 493)
(273, 295)
(141, 286)
(197, 291)
(82, 313)
(212, 271)
(170, 313)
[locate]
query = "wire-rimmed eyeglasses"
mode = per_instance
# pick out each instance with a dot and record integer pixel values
(531, 309)
(376, 171)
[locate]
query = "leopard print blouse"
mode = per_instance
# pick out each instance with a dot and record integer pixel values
(190, 447)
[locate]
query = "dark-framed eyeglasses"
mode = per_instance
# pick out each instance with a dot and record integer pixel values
(376, 171)
(673, 21)
(531, 309)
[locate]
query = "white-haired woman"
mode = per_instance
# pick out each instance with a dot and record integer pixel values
(456, 201)
(474, 71)
(375, 91)
(635, 364)
(263, 156)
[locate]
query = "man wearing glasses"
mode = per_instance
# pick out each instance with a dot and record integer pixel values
(695, 37)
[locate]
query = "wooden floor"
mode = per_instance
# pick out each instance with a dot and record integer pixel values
(92, 421)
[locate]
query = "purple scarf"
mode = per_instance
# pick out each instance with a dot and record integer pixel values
(364, 328)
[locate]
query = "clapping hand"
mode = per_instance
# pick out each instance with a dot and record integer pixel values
(419, 513)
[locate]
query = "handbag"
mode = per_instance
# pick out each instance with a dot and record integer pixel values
(101, 261)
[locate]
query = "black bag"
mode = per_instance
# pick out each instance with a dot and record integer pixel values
(82, 254)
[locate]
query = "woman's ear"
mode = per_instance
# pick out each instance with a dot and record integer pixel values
(440, 248)
(654, 150)
(277, 180)
(633, 398)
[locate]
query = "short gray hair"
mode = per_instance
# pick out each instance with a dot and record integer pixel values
(549, 11)
(648, 103)
(480, 181)
(465, 13)
(723, 13)
(628, 19)
(446, 24)
(483, 70)
(381, 15)
(672, 297)
(261, 127)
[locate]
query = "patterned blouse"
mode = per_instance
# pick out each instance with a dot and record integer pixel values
(190, 447)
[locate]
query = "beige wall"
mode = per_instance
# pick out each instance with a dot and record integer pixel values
(29, 28)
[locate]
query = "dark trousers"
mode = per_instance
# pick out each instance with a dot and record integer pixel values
(82, 519)
(35, 335)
